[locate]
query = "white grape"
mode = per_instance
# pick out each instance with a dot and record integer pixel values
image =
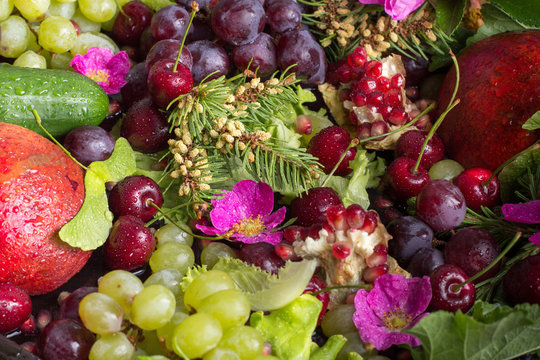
(31, 60)
(57, 34)
(14, 36)
(6, 7)
(98, 10)
(32, 10)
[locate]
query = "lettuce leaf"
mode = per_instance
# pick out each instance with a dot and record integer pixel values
(511, 173)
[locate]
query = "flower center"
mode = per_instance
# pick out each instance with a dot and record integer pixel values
(99, 76)
(396, 319)
(249, 226)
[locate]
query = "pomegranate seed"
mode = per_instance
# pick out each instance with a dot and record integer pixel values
(374, 98)
(398, 116)
(312, 231)
(363, 131)
(341, 250)
(331, 237)
(373, 69)
(284, 251)
(304, 124)
(353, 117)
(397, 81)
(379, 127)
(371, 273)
(383, 83)
(378, 257)
(345, 94)
(336, 217)
(393, 97)
(355, 215)
(385, 111)
(370, 222)
(382, 203)
(293, 233)
(366, 85)
(344, 74)
(358, 98)
(358, 57)
(44, 317)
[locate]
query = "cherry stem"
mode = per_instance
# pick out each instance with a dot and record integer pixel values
(38, 121)
(510, 245)
(194, 10)
(330, 288)
(508, 161)
(451, 105)
(354, 142)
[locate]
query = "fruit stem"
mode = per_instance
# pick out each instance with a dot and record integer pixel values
(194, 10)
(451, 105)
(514, 240)
(330, 288)
(354, 142)
(38, 121)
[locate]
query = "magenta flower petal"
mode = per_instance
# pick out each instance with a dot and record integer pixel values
(525, 213)
(535, 239)
(209, 230)
(400, 9)
(227, 211)
(273, 220)
(258, 196)
(370, 2)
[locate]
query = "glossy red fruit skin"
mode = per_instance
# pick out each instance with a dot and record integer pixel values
(442, 279)
(15, 307)
(165, 85)
(41, 189)
(310, 208)
(328, 145)
(131, 196)
(498, 92)
(131, 22)
(410, 144)
(477, 193)
(522, 282)
(404, 182)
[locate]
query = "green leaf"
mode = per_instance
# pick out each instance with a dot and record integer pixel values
(192, 273)
(330, 349)
(533, 123)
(264, 290)
(495, 22)
(509, 175)
(449, 14)
(289, 329)
(526, 13)
(493, 333)
(90, 228)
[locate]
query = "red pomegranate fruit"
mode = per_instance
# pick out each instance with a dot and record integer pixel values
(498, 92)
(41, 189)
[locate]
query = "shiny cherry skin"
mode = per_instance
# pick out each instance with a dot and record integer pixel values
(15, 307)
(403, 180)
(328, 145)
(473, 183)
(410, 144)
(444, 280)
(132, 196)
(165, 84)
(310, 207)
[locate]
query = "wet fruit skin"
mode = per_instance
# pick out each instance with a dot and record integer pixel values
(498, 92)
(41, 189)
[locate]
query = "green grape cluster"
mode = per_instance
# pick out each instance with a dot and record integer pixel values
(48, 33)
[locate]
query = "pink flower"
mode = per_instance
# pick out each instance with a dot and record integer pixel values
(104, 67)
(397, 9)
(524, 213)
(245, 214)
(394, 303)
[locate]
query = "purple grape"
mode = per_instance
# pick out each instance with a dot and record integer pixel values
(88, 143)
(409, 235)
(416, 70)
(201, 30)
(136, 85)
(69, 307)
(424, 261)
(261, 255)
(299, 48)
(131, 22)
(65, 339)
(168, 49)
(238, 22)
(283, 15)
(170, 22)
(261, 52)
(208, 58)
(441, 205)
(146, 42)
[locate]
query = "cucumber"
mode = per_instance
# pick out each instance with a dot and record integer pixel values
(63, 99)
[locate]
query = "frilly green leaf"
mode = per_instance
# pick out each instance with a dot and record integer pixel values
(192, 273)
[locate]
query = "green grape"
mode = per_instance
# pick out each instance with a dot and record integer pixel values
(230, 307)
(171, 232)
(32, 10)
(196, 335)
(122, 286)
(98, 10)
(246, 341)
(165, 333)
(150, 343)
(109, 24)
(57, 34)
(101, 314)
(214, 251)
(206, 284)
(32, 43)
(170, 278)
(338, 320)
(445, 169)
(14, 36)
(172, 255)
(221, 354)
(112, 347)
(85, 24)
(6, 7)
(64, 9)
(67, 1)
(61, 61)
(152, 307)
(31, 60)
(86, 41)
(265, 357)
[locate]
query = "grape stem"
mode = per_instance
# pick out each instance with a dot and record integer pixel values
(508, 247)
(194, 10)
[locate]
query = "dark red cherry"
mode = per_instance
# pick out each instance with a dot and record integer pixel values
(403, 180)
(410, 144)
(445, 294)
(262, 255)
(129, 245)
(328, 145)
(69, 307)
(310, 207)
(136, 87)
(65, 339)
(473, 183)
(131, 22)
(165, 84)
(522, 282)
(15, 307)
(132, 196)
